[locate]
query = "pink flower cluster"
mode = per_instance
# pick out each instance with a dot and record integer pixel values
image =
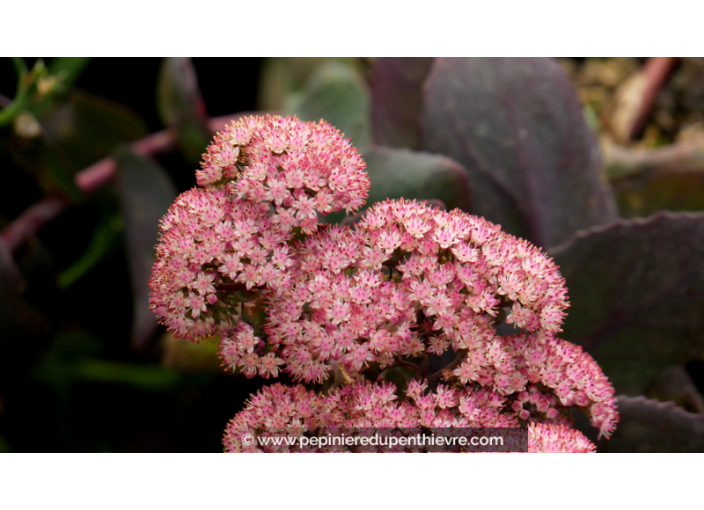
(213, 244)
(243, 258)
(544, 438)
(279, 411)
(558, 374)
(409, 280)
(210, 245)
(300, 168)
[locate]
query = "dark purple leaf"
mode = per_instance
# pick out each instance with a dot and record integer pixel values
(649, 426)
(517, 126)
(181, 106)
(674, 384)
(637, 294)
(397, 100)
(147, 192)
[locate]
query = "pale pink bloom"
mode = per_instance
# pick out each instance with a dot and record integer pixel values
(549, 438)
(200, 257)
(457, 296)
(275, 159)
(269, 365)
(357, 408)
(581, 380)
(569, 375)
(408, 281)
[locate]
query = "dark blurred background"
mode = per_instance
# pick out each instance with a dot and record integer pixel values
(71, 380)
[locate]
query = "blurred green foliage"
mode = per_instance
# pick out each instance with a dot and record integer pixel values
(106, 237)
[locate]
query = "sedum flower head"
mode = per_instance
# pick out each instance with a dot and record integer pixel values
(211, 246)
(242, 257)
(225, 246)
(411, 280)
(543, 376)
(298, 168)
(292, 411)
(547, 438)
(561, 375)
(214, 251)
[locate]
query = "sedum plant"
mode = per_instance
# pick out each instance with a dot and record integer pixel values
(253, 255)
(391, 322)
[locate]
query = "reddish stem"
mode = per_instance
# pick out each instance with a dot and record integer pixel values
(90, 180)
(31, 220)
(407, 364)
(656, 70)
